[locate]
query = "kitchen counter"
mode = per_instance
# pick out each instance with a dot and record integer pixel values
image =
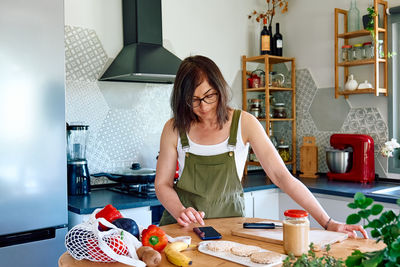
(225, 226)
(254, 181)
(98, 198)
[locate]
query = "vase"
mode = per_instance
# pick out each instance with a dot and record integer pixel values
(353, 17)
(366, 19)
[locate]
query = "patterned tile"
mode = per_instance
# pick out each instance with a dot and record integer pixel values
(367, 121)
(305, 90)
(84, 54)
(85, 103)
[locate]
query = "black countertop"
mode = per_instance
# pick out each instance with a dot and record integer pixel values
(98, 198)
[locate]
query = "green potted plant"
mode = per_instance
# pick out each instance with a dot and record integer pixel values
(385, 227)
(368, 20)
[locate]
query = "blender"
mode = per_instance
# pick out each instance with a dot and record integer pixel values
(77, 168)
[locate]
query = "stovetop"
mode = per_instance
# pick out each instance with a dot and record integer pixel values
(138, 190)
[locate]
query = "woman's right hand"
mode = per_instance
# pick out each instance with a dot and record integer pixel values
(190, 215)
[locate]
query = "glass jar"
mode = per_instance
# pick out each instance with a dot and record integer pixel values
(284, 152)
(346, 53)
(255, 111)
(296, 228)
(255, 103)
(279, 111)
(381, 53)
(357, 52)
(368, 50)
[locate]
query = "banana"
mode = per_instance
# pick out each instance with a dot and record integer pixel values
(174, 255)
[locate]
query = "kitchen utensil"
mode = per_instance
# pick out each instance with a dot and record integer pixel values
(351, 84)
(276, 79)
(309, 158)
(134, 174)
(77, 168)
(254, 81)
(339, 161)
(362, 158)
(260, 225)
(364, 85)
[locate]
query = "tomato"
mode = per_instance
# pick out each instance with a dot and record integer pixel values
(115, 243)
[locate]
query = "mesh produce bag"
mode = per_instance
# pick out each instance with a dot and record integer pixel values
(86, 241)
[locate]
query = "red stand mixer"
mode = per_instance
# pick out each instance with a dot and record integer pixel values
(363, 162)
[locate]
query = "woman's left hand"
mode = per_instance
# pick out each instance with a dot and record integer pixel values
(349, 229)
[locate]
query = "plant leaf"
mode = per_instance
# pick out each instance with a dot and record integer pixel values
(375, 233)
(353, 219)
(374, 260)
(359, 197)
(376, 209)
(375, 224)
(355, 259)
(352, 205)
(364, 213)
(368, 201)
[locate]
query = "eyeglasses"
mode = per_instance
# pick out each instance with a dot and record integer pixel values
(208, 99)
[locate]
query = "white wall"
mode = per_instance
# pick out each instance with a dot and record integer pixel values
(217, 29)
(308, 29)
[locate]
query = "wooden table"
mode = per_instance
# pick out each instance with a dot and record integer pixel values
(225, 226)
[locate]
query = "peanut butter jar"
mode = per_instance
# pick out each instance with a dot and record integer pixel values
(296, 229)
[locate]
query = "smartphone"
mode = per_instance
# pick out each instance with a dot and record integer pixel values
(207, 233)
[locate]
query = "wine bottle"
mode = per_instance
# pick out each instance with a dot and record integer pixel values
(265, 40)
(272, 43)
(278, 42)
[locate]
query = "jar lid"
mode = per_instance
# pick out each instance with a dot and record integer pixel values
(367, 43)
(296, 213)
(279, 104)
(346, 46)
(283, 146)
(358, 45)
(255, 100)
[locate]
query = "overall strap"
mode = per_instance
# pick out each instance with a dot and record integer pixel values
(184, 140)
(234, 128)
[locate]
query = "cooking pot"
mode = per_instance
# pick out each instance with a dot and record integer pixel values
(131, 175)
(339, 161)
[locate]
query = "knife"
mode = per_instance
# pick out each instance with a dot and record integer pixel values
(260, 225)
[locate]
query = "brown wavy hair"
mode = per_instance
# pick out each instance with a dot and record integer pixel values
(191, 73)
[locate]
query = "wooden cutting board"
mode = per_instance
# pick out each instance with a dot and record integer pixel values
(320, 238)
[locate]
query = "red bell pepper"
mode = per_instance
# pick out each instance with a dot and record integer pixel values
(109, 213)
(154, 237)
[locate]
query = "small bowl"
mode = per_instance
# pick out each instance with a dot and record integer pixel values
(339, 161)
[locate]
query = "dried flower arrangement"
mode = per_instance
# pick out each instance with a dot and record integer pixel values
(272, 5)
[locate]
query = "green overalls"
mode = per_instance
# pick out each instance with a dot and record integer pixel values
(210, 183)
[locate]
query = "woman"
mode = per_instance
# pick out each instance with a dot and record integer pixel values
(211, 141)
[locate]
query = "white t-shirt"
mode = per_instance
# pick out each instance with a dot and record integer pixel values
(240, 151)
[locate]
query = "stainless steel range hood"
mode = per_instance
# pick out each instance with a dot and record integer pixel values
(143, 58)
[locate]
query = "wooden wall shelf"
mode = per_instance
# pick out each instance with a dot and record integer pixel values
(268, 61)
(380, 64)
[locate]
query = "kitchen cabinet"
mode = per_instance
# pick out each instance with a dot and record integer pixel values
(262, 204)
(248, 204)
(380, 65)
(142, 216)
(264, 91)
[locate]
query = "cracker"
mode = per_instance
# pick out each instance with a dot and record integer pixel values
(244, 251)
(220, 246)
(266, 257)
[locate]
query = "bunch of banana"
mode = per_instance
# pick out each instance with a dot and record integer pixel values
(174, 255)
